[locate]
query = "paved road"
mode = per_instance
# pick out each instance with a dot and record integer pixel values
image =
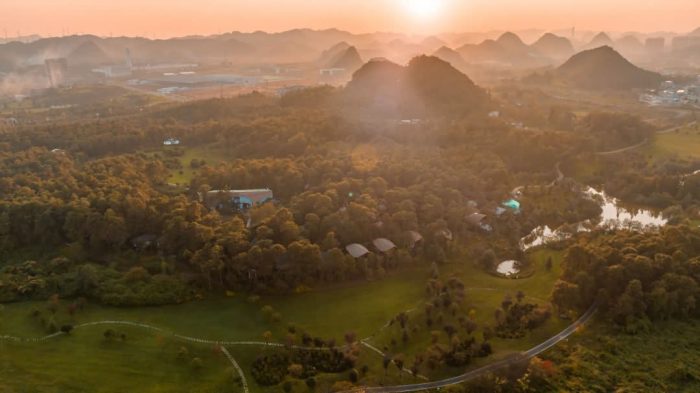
(564, 334)
(644, 142)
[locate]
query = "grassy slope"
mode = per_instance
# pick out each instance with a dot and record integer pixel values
(685, 143)
(86, 362)
(361, 307)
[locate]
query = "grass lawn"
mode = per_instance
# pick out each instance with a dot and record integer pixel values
(685, 143)
(87, 362)
(147, 361)
(211, 154)
(484, 293)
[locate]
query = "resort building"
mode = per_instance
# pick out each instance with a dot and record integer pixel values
(236, 199)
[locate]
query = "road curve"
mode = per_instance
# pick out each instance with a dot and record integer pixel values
(645, 141)
(534, 351)
(624, 149)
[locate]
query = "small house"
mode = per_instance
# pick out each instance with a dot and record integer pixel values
(512, 204)
(383, 245)
(357, 250)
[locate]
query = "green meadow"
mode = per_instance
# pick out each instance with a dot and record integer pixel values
(151, 361)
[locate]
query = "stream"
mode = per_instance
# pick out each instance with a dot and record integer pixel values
(613, 216)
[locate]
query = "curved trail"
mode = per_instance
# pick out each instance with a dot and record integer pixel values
(238, 368)
(624, 149)
(180, 337)
(534, 351)
(401, 388)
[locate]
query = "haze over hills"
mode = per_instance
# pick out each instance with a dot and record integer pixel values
(426, 85)
(312, 211)
(451, 56)
(553, 46)
(305, 45)
(601, 39)
(328, 55)
(629, 43)
(88, 53)
(604, 68)
(301, 53)
(348, 59)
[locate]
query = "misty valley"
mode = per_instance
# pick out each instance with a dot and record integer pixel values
(326, 211)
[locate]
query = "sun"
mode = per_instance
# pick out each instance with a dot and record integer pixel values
(423, 9)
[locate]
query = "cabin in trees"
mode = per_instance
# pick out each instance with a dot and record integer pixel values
(236, 199)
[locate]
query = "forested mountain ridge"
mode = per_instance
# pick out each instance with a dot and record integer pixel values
(428, 85)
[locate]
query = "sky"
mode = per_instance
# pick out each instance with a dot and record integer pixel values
(167, 18)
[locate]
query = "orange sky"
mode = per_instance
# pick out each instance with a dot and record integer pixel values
(164, 18)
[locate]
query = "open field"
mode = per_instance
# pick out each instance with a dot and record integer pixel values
(212, 155)
(149, 359)
(87, 362)
(685, 143)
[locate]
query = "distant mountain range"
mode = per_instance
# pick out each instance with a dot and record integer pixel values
(306, 46)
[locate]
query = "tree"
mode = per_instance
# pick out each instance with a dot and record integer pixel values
(399, 362)
(196, 363)
(267, 336)
(296, 370)
(354, 376)
(311, 383)
(386, 361)
(210, 260)
(350, 337)
(566, 295)
(630, 305)
(109, 334)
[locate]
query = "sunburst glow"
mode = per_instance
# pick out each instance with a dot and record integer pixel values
(424, 9)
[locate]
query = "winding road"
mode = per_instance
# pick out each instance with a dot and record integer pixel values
(534, 351)
(645, 141)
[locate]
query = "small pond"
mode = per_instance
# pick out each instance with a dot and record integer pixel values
(508, 268)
